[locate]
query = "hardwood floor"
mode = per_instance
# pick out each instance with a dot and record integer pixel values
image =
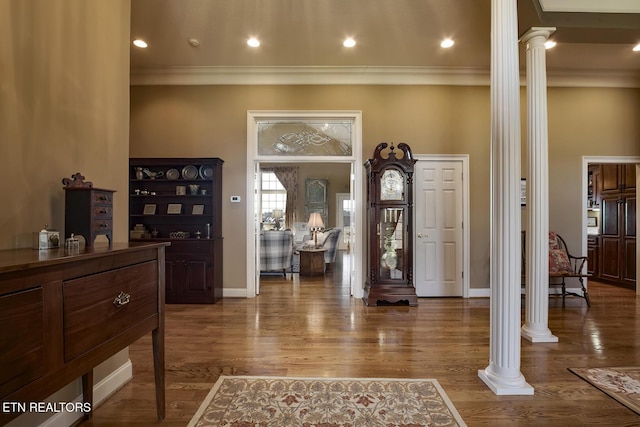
(314, 328)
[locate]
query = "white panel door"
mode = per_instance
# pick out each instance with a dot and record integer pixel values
(438, 227)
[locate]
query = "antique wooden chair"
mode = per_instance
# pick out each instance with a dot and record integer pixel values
(562, 265)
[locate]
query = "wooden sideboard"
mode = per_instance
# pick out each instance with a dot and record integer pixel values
(62, 313)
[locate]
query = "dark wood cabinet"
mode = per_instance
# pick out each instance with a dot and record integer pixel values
(593, 255)
(191, 271)
(628, 267)
(618, 178)
(618, 218)
(179, 200)
(629, 175)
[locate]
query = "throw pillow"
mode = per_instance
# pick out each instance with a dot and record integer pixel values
(321, 238)
(553, 241)
(559, 263)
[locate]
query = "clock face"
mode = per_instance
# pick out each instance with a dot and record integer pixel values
(391, 185)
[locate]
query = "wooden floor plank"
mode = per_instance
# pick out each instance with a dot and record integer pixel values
(312, 327)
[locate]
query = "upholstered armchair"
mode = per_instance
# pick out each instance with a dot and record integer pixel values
(327, 239)
(276, 251)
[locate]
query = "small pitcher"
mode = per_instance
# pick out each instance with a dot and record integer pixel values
(139, 173)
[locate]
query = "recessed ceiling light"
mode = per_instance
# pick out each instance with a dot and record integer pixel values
(636, 48)
(140, 43)
(549, 44)
(349, 42)
(194, 42)
(253, 42)
(446, 43)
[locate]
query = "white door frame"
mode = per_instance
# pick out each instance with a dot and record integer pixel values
(464, 158)
(357, 168)
(586, 160)
(339, 218)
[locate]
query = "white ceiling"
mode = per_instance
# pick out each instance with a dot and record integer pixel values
(398, 34)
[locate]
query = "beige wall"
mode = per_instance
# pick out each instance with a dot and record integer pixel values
(64, 108)
(211, 121)
(585, 122)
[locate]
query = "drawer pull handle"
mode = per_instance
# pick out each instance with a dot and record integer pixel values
(122, 299)
(104, 225)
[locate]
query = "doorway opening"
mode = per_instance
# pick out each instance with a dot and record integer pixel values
(609, 222)
(303, 146)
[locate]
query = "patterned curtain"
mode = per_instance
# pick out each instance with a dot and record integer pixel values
(288, 177)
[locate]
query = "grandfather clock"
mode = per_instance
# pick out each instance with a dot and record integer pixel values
(390, 227)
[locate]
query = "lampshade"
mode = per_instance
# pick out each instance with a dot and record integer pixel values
(277, 213)
(315, 221)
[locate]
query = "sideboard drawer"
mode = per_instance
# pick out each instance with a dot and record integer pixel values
(21, 339)
(93, 312)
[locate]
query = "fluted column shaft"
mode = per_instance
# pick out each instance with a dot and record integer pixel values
(503, 373)
(536, 327)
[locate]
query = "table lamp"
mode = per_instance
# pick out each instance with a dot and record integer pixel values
(315, 224)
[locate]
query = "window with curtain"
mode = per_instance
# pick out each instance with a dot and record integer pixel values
(273, 205)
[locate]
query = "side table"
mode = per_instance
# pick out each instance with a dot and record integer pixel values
(312, 262)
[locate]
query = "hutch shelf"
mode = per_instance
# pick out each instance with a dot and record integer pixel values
(178, 200)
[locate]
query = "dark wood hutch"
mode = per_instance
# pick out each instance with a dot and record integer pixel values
(179, 200)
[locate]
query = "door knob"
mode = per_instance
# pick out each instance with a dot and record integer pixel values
(420, 235)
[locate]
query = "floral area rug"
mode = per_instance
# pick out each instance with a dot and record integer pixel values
(325, 402)
(623, 383)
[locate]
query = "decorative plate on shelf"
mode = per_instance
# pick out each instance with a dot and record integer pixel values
(206, 172)
(189, 172)
(173, 174)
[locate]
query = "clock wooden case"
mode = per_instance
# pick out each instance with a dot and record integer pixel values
(390, 226)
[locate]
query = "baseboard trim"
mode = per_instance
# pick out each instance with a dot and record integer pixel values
(553, 291)
(234, 293)
(479, 292)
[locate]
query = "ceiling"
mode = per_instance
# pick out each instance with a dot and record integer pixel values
(396, 34)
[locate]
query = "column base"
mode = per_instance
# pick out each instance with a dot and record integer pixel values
(537, 336)
(506, 387)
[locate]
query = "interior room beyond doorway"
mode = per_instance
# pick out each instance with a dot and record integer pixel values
(337, 177)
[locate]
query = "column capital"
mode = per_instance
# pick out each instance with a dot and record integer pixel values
(533, 32)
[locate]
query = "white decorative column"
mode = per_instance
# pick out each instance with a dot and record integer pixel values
(536, 327)
(503, 373)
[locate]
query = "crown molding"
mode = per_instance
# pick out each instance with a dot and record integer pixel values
(363, 76)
